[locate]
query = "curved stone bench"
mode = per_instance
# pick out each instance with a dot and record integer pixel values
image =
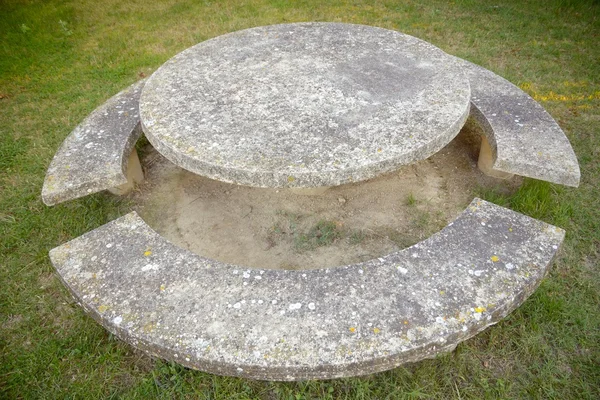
(99, 153)
(292, 325)
(520, 136)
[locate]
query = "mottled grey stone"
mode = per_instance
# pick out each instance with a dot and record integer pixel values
(292, 325)
(524, 138)
(304, 105)
(95, 155)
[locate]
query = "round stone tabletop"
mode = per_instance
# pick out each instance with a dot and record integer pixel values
(304, 105)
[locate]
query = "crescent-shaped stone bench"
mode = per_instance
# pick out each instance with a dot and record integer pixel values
(293, 325)
(521, 138)
(99, 154)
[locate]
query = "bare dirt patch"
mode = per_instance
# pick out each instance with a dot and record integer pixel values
(277, 228)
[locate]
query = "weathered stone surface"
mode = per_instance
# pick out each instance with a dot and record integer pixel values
(304, 105)
(94, 156)
(524, 138)
(292, 325)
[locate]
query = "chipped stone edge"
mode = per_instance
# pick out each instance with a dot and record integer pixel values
(102, 182)
(427, 350)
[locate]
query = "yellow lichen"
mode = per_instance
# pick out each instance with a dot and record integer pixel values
(162, 288)
(147, 253)
(376, 330)
(494, 258)
(552, 96)
(352, 329)
(102, 308)
(291, 179)
(480, 310)
(525, 85)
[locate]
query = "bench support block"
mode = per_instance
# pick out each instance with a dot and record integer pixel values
(486, 161)
(134, 175)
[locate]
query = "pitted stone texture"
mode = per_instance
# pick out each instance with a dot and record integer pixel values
(293, 325)
(94, 156)
(304, 105)
(525, 139)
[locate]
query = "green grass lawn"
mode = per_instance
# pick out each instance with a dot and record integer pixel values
(60, 59)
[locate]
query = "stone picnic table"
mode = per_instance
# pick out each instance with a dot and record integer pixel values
(308, 105)
(304, 105)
